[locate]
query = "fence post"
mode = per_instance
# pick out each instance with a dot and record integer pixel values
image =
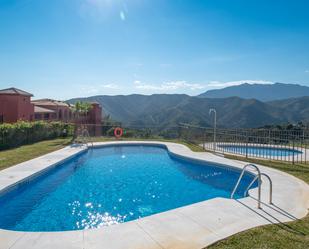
(204, 139)
(305, 146)
(293, 162)
(247, 141)
(186, 131)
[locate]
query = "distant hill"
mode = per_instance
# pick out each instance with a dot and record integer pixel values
(128, 108)
(262, 92)
(295, 109)
(170, 109)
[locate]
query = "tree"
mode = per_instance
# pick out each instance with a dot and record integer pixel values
(81, 108)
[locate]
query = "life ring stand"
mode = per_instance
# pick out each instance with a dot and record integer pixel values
(118, 132)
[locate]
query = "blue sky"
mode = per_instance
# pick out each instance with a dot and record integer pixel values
(69, 48)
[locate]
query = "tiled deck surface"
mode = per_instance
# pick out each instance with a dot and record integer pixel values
(193, 226)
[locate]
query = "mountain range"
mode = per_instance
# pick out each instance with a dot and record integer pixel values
(164, 110)
(262, 92)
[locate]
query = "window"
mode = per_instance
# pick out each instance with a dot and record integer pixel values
(1, 119)
(46, 115)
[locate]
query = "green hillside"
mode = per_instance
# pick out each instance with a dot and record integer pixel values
(170, 109)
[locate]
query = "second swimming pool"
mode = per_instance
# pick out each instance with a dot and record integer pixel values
(259, 151)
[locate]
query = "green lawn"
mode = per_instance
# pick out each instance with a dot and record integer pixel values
(27, 152)
(291, 235)
(193, 147)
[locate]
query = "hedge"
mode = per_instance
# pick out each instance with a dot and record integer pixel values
(20, 133)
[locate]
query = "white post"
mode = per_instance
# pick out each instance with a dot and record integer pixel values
(215, 126)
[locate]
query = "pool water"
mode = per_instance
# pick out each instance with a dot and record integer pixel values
(262, 151)
(110, 185)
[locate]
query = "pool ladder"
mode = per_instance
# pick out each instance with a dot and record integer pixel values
(86, 139)
(258, 177)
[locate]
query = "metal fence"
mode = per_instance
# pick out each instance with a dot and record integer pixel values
(280, 145)
(101, 132)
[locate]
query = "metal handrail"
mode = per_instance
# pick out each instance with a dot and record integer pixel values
(270, 188)
(258, 176)
(84, 134)
(85, 131)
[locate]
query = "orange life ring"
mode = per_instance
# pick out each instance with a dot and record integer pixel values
(118, 132)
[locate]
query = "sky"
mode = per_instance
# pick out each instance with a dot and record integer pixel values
(75, 48)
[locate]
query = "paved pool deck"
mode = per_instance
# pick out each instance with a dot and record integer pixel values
(192, 226)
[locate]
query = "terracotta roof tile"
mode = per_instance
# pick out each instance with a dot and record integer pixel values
(49, 102)
(15, 91)
(38, 109)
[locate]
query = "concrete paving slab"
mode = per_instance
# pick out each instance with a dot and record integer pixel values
(9, 238)
(126, 235)
(171, 230)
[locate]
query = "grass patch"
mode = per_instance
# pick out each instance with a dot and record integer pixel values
(291, 235)
(26, 152)
(193, 147)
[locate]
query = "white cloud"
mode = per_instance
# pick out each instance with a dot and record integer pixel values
(89, 90)
(168, 86)
(181, 85)
(236, 83)
(92, 89)
(110, 86)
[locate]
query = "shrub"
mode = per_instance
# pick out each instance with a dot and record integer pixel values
(20, 133)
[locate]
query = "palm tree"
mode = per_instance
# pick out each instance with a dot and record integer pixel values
(81, 108)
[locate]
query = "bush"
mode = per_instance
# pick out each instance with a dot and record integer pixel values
(20, 133)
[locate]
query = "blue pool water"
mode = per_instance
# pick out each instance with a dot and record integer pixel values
(260, 151)
(108, 185)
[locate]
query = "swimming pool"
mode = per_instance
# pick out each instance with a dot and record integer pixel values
(260, 151)
(111, 185)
